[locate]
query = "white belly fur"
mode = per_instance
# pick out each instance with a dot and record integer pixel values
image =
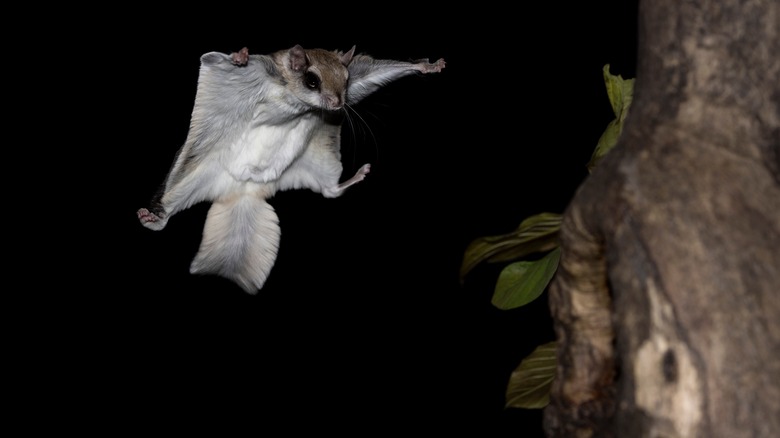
(264, 152)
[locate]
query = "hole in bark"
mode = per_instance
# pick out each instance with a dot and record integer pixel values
(669, 366)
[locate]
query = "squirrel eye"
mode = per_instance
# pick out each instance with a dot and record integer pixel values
(311, 80)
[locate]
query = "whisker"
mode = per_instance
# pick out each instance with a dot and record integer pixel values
(352, 129)
(370, 131)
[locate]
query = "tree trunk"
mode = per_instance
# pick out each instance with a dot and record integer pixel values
(667, 298)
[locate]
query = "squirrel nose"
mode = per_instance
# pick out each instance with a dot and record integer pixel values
(333, 102)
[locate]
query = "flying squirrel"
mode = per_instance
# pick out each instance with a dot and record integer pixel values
(260, 124)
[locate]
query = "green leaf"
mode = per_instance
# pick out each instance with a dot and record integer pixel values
(522, 282)
(621, 93)
(538, 233)
(607, 141)
(530, 383)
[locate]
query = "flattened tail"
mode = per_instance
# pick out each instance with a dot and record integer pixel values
(240, 241)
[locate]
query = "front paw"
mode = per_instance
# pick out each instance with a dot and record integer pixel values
(436, 67)
(151, 220)
(240, 58)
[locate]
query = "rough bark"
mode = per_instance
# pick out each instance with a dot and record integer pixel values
(667, 298)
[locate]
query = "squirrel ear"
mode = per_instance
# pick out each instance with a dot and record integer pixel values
(346, 58)
(297, 58)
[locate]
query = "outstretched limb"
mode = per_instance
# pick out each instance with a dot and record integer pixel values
(366, 74)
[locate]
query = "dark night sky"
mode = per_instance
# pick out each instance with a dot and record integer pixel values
(362, 324)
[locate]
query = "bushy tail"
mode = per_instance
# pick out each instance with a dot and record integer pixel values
(240, 241)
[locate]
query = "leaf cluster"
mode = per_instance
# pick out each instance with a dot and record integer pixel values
(532, 254)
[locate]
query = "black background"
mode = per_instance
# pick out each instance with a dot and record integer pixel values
(363, 325)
